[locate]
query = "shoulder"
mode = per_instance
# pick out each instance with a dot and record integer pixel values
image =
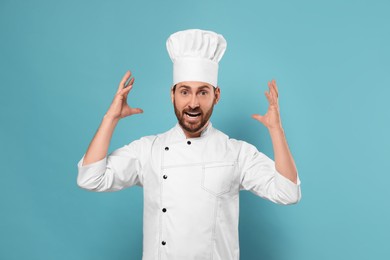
(145, 140)
(146, 143)
(150, 139)
(238, 144)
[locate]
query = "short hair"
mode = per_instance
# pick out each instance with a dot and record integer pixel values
(174, 88)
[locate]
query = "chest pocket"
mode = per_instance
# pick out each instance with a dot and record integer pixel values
(217, 178)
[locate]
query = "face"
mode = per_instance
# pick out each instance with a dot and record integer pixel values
(194, 102)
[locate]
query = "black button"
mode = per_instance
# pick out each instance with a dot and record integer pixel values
(165, 177)
(164, 210)
(166, 148)
(163, 243)
(188, 142)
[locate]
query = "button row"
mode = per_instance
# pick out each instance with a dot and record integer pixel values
(167, 148)
(165, 177)
(164, 210)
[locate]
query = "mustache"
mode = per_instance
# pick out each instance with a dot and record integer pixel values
(189, 110)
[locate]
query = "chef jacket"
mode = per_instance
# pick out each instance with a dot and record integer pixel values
(191, 190)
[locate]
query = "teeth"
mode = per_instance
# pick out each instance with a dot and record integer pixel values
(193, 115)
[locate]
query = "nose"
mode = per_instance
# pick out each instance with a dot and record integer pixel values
(194, 102)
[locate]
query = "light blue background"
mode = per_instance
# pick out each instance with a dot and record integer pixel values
(61, 62)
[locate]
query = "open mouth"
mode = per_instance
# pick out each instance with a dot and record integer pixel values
(192, 115)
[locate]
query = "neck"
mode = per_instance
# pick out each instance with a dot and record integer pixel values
(194, 134)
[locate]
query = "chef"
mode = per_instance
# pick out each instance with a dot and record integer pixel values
(192, 174)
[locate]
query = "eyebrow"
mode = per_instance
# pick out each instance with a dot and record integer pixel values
(199, 88)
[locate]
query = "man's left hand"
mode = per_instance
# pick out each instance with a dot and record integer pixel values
(271, 119)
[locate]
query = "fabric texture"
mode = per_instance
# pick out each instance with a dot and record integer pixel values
(191, 190)
(195, 55)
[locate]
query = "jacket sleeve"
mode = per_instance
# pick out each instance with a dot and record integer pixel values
(259, 176)
(120, 169)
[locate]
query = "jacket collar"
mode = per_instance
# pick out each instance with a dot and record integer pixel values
(206, 132)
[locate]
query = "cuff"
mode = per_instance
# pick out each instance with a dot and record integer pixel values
(286, 180)
(290, 193)
(98, 164)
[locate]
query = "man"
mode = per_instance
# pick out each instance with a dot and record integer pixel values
(192, 174)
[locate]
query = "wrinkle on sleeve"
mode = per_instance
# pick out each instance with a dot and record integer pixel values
(118, 170)
(259, 176)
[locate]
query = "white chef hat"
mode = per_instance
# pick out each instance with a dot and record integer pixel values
(195, 55)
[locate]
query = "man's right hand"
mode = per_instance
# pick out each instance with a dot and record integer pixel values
(119, 107)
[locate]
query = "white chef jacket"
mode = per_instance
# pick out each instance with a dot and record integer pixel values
(191, 190)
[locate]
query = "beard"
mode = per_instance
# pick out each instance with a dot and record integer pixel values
(193, 127)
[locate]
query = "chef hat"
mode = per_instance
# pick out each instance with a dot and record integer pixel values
(195, 55)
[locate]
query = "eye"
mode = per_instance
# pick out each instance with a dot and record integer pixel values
(184, 92)
(203, 93)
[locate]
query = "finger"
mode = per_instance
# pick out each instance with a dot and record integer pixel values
(125, 91)
(136, 111)
(276, 88)
(258, 117)
(272, 91)
(269, 98)
(131, 82)
(129, 86)
(123, 81)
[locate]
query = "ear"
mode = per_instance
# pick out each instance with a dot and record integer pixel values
(172, 95)
(217, 94)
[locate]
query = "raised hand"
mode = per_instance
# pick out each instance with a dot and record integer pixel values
(119, 107)
(271, 119)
